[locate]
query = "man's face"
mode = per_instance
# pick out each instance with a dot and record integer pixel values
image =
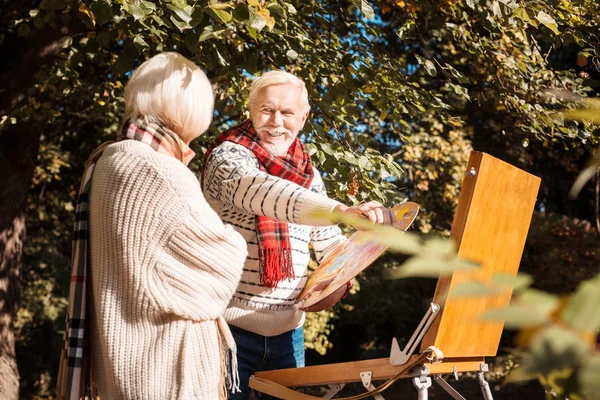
(277, 115)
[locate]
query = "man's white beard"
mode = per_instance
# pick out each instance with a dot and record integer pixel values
(277, 149)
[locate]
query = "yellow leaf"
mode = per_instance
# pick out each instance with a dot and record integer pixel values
(369, 89)
(584, 114)
(84, 10)
(266, 14)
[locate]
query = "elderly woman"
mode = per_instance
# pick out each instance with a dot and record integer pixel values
(158, 264)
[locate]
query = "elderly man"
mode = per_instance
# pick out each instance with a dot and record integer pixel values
(259, 179)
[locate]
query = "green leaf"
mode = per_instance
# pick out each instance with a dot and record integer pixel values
(291, 9)
(136, 11)
(522, 14)
(519, 282)
(365, 8)
(292, 55)
(472, 3)
(363, 162)
(148, 5)
(183, 15)
(425, 266)
(252, 32)
(585, 175)
(459, 90)
(534, 307)
(65, 41)
(455, 74)
(219, 15)
(583, 114)
(429, 66)
(140, 44)
(241, 12)
(206, 34)
(257, 22)
(473, 289)
(102, 11)
(276, 11)
(555, 348)
(583, 309)
(220, 6)
(589, 375)
(548, 22)
(500, 9)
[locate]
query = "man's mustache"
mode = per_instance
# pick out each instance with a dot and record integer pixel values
(273, 131)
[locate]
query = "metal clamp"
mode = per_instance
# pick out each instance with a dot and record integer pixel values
(422, 383)
(333, 390)
(365, 377)
(485, 386)
(400, 357)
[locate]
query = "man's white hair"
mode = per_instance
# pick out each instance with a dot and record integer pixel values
(173, 90)
(278, 77)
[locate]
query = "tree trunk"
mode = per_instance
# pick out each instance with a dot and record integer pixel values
(20, 59)
(18, 154)
(11, 242)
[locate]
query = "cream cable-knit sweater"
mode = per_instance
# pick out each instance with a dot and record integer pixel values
(163, 268)
(236, 188)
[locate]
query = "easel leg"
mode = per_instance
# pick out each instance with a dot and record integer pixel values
(449, 389)
(485, 386)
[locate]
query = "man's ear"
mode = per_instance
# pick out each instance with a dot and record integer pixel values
(304, 117)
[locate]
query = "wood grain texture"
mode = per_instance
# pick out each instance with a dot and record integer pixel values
(490, 227)
(350, 371)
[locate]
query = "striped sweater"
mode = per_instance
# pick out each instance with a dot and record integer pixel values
(238, 190)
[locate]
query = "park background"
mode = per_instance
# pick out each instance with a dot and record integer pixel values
(401, 92)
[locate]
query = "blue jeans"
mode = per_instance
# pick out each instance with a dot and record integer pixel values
(262, 353)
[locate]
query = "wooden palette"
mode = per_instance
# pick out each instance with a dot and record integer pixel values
(350, 258)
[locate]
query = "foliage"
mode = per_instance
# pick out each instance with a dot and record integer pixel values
(400, 91)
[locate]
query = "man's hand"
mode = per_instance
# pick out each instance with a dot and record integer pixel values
(328, 301)
(373, 210)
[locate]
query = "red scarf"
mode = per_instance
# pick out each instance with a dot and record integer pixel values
(274, 249)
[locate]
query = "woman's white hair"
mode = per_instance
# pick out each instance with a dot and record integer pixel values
(278, 77)
(173, 90)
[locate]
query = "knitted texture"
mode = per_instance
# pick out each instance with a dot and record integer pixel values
(238, 190)
(165, 268)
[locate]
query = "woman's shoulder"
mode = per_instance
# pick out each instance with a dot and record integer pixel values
(130, 156)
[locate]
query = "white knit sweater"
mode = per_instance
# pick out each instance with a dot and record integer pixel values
(236, 188)
(163, 268)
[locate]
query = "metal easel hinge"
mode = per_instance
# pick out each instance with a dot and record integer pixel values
(401, 357)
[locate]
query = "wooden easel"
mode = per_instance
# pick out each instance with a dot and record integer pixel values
(490, 227)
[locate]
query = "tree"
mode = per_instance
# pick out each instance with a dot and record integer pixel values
(392, 83)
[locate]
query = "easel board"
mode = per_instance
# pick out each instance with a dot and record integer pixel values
(490, 227)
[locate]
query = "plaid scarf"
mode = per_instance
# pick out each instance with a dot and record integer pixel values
(75, 376)
(274, 249)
